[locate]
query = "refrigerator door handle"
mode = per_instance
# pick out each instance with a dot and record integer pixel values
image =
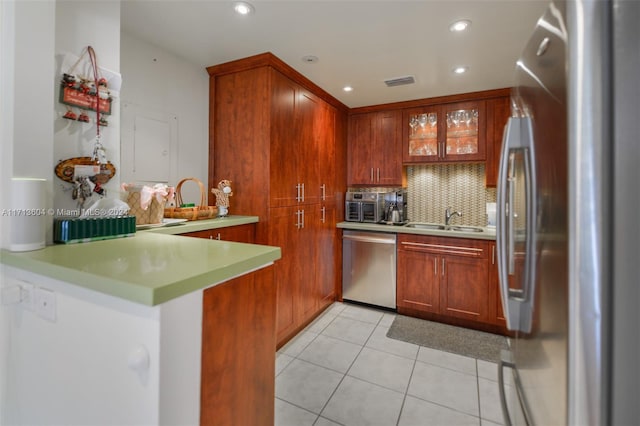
(504, 224)
(516, 302)
(506, 362)
(509, 211)
(503, 395)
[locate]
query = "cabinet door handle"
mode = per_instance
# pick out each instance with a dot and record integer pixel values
(302, 192)
(218, 237)
(435, 267)
(297, 219)
(323, 214)
(302, 214)
(443, 266)
(324, 191)
(298, 192)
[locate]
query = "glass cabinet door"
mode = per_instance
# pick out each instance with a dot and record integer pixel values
(445, 133)
(462, 131)
(465, 131)
(422, 130)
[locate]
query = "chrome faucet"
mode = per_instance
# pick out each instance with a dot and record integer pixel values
(448, 215)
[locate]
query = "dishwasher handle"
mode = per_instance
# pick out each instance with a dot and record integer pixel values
(371, 239)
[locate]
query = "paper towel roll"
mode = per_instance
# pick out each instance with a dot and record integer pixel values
(28, 214)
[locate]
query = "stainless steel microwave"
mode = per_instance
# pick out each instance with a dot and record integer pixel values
(364, 207)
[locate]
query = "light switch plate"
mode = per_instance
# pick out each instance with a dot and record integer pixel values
(45, 304)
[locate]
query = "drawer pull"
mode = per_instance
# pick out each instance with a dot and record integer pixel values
(446, 249)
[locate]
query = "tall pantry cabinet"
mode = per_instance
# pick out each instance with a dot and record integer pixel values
(281, 140)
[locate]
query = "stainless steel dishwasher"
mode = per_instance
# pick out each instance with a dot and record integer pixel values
(369, 267)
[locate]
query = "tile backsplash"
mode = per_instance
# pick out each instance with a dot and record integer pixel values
(433, 188)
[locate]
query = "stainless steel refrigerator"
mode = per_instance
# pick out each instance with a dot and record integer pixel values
(568, 220)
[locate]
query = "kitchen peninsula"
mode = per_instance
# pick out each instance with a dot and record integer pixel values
(140, 320)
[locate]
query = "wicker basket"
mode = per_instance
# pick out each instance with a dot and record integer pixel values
(191, 213)
(150, 216)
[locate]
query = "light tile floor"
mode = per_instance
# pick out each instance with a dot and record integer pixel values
(343, 370)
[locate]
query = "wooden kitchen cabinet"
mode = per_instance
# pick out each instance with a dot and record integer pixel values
(465, 131)
(422, 134)
(451, 132)
(329, 243)
(301, 144)
(465, 282)
(238, 356)
(308, 269)
(239, 233)
(498, 112)
(418, 282)
(446, 277)
(281, 140)
(293, 229)
(374, 149)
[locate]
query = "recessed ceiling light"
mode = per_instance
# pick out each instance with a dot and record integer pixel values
(310, 59)
(347, 88)
(460, 70)
(243, 8)
(460, 25)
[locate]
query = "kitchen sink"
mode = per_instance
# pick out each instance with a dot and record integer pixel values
(438, 227)
(466, 229)
(433, 226)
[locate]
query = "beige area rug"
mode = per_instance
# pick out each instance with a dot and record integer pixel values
(448, 338)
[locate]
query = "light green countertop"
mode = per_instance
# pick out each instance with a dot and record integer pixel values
(201, 225)
(149, 268)
(486, 234)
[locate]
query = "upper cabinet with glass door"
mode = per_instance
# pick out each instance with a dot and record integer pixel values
(421, 134)
(445, 133)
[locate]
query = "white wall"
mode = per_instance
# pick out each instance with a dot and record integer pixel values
(158, 83)
(34, 137)
(27, 97)
(78, 25)
(26, 119)
(32, 32)
(74, 370)
(7, 44)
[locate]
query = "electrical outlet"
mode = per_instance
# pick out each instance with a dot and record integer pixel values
(45, 304)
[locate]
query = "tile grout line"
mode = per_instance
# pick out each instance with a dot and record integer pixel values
(301, 408)
(478, 389)
(437, 403)
(415, 359)
(406, 391)
(345, 374)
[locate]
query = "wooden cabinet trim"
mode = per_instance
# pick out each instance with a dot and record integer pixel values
(498, 112)
(270, 60)
(472, 96)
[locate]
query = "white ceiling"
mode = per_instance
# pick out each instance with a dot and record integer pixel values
(358, 43)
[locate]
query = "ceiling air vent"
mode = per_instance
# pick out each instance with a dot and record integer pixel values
(400, 81)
